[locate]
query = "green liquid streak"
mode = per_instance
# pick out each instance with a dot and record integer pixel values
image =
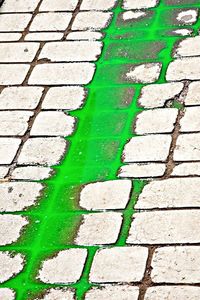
(104, 126)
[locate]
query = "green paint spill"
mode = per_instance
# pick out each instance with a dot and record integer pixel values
(104, 126)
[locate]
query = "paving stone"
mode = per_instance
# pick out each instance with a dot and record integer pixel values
(182, 32)
(91, 20)
(188, 16)
(147, 148)
(14, 22)
(84, 35)
(184, 68)
(11, 36)
(155, 95)
(141, 170)
(97, 4)
(165, 227)
(10, 265)
(7, 294)
(58, 294)
(186, 169)
(13, 73)
(187, 147)
(130, 15)
(172, 292)
(119, 264)
(99, 228)
(65, 73)
(20, 97)
(12, 6)
(65, 267)
(188, 47)
(113, 194)
(113, 292)
(160, 120)
(193, 94)
(144, 73)
(134, 4)
(14, 122)
(19, 195)
(3, 172)
(42, 151)
(8, 149)
(65, 97)
(51, 21)
(43, 36)
(190, 121)
(53, 123)
(10, 228)
(176, 265)
(172, 192)
(61, 5)
(71, 51)
(31, 173)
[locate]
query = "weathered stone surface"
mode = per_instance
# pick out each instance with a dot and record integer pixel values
(134, 4)
(14, 122)
(11, 36)
(58, 294)
(187, 16)
(113, 194)
(10, 228)
(187, 147)
(61, 5)
(172, 292)
(165, 227)
(193, 95)
(184, 68)
(18, 52)
(144, 73)
(51, 21)
(65, 267)
(182, 32)
(85, 35)
(186, 169)
(10, 265)
(7, 294)
(155, 95)
(99, 228)
(188, 47)
(8, 149)
(172, 192)
(160, 120)
(190, 121)
(147, 148)
(97, 4)
(14, 22)
(44, 36)
(119, 264)
(31, 173)
(113, 292)
(13, 73)
(91, 20)
(141, 170)
(176, 265)
(131, 15)
(11, 6)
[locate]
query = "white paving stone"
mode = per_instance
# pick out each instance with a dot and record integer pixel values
(193, 95)
(165, 227)
(147, 148)
(32, 173)
(141, 170)
(58, 294)
(65, 97)
(3, 171)
(176, 265)
(113, 292)
(19, 6)
(14, 122)
(160, 120)
(11, 36)
(172, 292)
(10, 265)
(61, 5)
(65, 73)
(155, 95)
(10, 228)
(14, 22)
(113, 194)
(188, 47)
(43, 36)
(18, 52)
(91, 20)
(186, 169)
(97, 4)
(71, 51)
(42, 151)
(13, 73)
(184, 68)
(119, 264)
(51, 21)
(187, 16)
(182, 32)
(99, 228)
(65, 267)
(172, 192)
(53, 123)
(144, 73)
(190, 121)
(130, 15)
(187, 147)
(7, 294)
(135, 4)
(84, 35)
(18, 195)
(8, 149)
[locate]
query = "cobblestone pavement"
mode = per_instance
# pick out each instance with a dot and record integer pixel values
(99, 150)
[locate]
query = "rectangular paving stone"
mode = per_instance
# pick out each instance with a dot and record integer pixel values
(13, 74)
(165, 227)
(6, 293)
(19, 6)
(193, 94)
(172, 292)
(134, 4)
(147, 148)
(97, 4)
(71, 51)
(188, 47)
(85, 35)
(176, 265)
(185, 68)
(144, 73)
(44, 36)
(51, 21)
(31, 173)
(91, 20)
(119, 264)
(14, 122)
(190, 121)
(8, 149)
(170, 193)
(18, 52)
(187, 147)
(14, 22)
(10, 265)
(61, 5)
(113, 292)
(11, 36)
(186, 169)
(65, 73)
(141, 170)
